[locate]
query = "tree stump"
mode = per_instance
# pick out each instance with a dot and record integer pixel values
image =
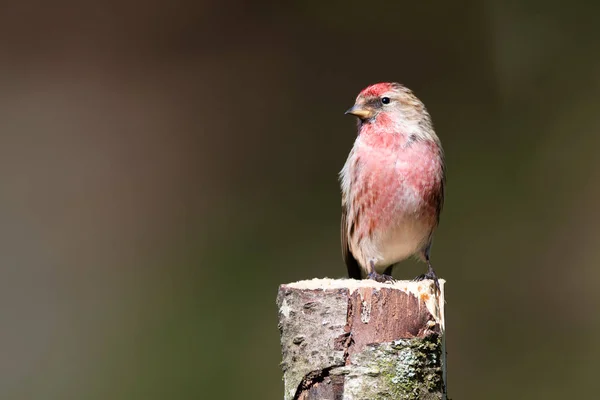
(344, 339)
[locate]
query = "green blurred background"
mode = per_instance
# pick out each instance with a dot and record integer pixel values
(164, 166)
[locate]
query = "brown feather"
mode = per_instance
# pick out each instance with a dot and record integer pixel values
(354, 270)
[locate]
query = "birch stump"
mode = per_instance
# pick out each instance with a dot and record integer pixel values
(362, 340)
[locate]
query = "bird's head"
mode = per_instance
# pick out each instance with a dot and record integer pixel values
(388, 103)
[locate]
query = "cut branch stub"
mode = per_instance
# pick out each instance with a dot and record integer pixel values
(349, 339)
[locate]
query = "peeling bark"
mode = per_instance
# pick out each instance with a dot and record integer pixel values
(359, 340)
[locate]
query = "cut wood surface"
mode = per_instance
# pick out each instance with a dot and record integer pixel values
(360, 339)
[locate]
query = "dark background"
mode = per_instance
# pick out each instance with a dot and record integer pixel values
(164, 166)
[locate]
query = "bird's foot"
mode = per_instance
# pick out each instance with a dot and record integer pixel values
(429, 275)
(383, 278)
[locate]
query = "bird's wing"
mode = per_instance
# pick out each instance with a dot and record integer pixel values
(442, 192)
(354, 271)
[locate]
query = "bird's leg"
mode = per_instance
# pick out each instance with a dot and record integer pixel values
(430, 274)
(383, 278)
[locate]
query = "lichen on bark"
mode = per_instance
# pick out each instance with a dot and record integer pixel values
(407, 369)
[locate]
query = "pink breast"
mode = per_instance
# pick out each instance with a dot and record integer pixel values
(395, 180)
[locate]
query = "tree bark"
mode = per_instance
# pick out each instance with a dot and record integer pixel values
(362, 340)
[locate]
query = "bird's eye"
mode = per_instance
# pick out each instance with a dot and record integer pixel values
(385, 100)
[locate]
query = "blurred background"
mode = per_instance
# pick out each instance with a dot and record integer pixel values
(164, 166)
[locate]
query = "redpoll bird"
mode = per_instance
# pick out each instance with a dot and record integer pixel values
(392, 184)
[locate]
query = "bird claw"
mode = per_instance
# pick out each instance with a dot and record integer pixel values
(429, 275)
(382, 278)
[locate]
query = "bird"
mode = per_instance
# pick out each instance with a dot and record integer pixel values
(392, 184)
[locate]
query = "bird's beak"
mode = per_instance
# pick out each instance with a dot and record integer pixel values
(360, 111)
